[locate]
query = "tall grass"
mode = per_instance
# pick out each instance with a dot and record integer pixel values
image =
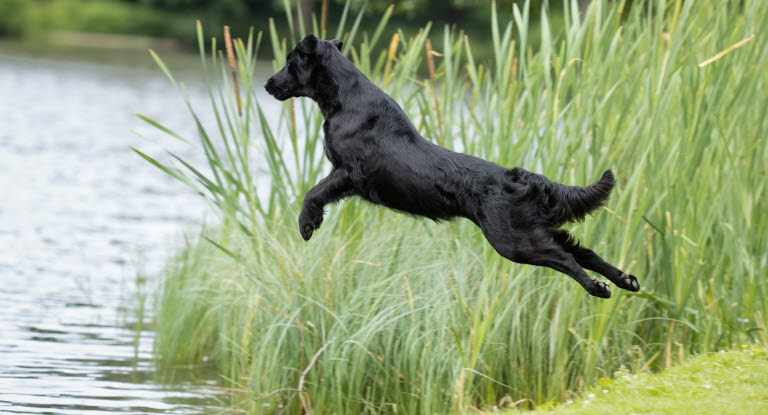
(384, 313)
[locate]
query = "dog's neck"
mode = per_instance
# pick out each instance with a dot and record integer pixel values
(333, 82)
(326, 94)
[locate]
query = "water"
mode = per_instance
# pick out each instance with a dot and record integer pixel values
(80, 216)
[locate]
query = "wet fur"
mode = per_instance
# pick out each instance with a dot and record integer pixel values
(378, 155)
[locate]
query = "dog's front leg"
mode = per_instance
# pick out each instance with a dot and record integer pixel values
(334, 187)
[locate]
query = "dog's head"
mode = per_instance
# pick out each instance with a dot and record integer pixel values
(294, 79)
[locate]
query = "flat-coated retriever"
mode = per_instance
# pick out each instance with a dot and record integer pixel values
(378, 155)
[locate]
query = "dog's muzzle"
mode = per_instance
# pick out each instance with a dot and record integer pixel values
(270, 86)
(273, 90)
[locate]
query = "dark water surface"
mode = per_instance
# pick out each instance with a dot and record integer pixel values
(80, 216)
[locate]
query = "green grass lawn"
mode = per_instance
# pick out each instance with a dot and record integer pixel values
(734, 382)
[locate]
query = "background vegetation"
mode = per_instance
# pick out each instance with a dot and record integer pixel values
(39, 20)
(380, 312)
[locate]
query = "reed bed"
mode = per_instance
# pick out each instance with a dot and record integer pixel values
(380, 312)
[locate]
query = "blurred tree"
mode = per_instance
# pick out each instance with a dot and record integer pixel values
(411, 8)
(13, 17)
(227, 7)
(408, 9)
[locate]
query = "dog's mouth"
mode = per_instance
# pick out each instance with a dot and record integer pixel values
(277, 92)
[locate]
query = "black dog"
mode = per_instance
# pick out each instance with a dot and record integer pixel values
(378, 155)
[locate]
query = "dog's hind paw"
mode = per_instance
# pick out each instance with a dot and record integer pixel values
(628, 282)
(600, 289)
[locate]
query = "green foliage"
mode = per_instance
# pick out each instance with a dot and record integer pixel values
(228, 8)
(414, 7)
(25, 18)
(104, 16)
(14, 17)
(385, 313)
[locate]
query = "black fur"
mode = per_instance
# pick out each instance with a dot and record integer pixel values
(378, 155)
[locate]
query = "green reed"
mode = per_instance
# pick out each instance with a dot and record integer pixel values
(380, 312)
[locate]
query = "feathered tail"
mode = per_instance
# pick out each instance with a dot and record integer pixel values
(561, 203)
(581, 201)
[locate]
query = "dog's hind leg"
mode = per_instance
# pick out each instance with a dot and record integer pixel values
(537, 248)
(591, 261)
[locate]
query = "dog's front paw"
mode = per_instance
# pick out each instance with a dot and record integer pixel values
(308, 223)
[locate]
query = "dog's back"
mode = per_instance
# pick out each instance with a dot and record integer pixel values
(403, 171)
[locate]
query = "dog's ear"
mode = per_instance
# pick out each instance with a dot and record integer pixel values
(337, 43)
(310, 42)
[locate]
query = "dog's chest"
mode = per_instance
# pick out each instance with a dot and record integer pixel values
(345, 145)
(332, 145)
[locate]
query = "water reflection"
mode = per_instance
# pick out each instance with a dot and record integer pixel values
(78, 212)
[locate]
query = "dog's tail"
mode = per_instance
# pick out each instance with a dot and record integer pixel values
(581, 201)
(560, 203)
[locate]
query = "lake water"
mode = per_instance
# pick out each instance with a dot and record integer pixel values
(80, 216)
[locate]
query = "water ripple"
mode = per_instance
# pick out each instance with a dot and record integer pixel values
(78, 212)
